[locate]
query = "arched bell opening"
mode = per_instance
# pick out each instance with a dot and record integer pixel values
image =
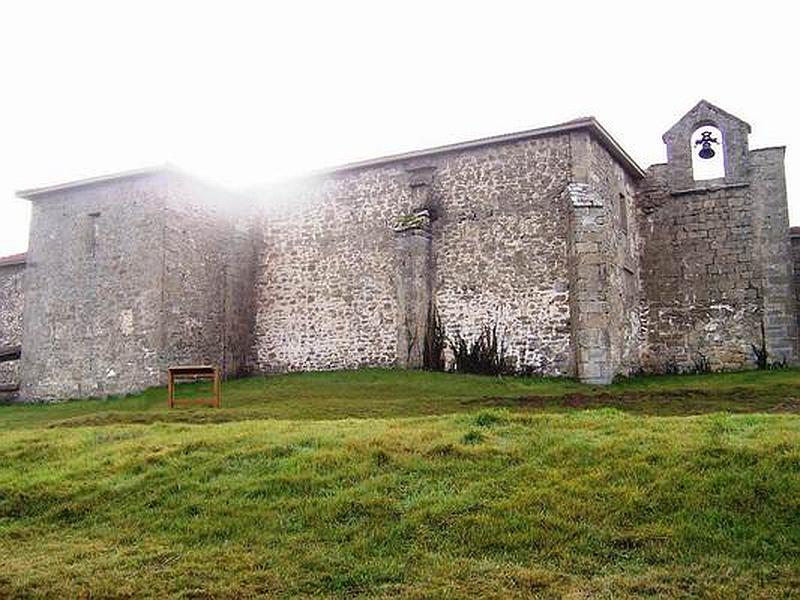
(708, 156)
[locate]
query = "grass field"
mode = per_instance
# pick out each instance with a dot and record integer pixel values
(413, 485)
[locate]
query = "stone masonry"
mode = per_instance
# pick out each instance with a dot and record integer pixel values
(341, 287)
(604, 267)
(127, 276)
(795, 240)
(587, 265)
(716, 268)
(12, 270)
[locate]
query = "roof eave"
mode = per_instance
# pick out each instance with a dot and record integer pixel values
(617, 151)
(589, 124)
(14, 259)
(33, 193)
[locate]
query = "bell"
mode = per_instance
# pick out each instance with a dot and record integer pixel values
(707, 151)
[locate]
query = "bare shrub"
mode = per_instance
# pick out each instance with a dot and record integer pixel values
(485, 355)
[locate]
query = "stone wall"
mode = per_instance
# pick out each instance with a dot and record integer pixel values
(328, 281)
(242, 248)
(208, 278)
(699, 271)
(715, 253)
(129, 276)
(795, 242)
(500, 249)
(774, 254)
(92, 291)
(11, 303)
(325, 294)
(604, 264)
(717, 264)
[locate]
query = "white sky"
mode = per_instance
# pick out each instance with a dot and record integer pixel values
(245, 92)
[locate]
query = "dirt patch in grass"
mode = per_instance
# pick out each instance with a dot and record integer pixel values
(198, 416)
(644, 402)
(790, 406)
(677, 402)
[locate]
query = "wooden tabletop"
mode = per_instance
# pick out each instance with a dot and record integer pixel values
(192, 369)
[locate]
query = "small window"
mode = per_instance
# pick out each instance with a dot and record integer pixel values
(623, 213)
(91, 234)
(708, 157)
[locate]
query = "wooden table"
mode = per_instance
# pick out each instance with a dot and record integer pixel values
(192, 373)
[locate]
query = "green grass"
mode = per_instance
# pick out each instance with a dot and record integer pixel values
(412, 485)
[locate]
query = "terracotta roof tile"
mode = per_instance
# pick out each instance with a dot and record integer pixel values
(13, 259)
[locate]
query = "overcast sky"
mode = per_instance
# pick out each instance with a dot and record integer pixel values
(246, 92)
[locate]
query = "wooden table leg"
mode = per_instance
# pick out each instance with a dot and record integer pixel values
(216, 388)
(170, 391)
